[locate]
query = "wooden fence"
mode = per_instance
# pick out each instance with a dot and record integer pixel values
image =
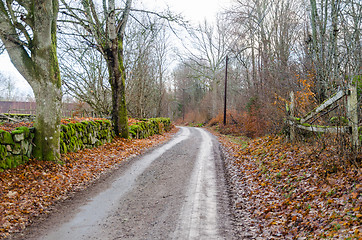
(306, 121)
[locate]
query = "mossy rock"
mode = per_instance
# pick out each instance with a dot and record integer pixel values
(98, 143)
(135, 130)
(64, 128)
(3, 152)
(81, 144)
(73, 145)
(108, 123)
(25, 146)
(9, 161)
(72, 128)
(66, 131)
(63, 147)
(17, 131)
(18, 160)
(80, 127)
(25, 130)
(30, 151)
(6, 138)
(3, 164)
(18, 136)
(16, 148)
(132, 133)
(32, 135)
(61, 135)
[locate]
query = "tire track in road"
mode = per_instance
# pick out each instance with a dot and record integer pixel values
(99, 207)
(175, 191)
(198, 218)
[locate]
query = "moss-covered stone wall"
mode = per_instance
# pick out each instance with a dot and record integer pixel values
(16, 146)
(148, 127)
(86, 134)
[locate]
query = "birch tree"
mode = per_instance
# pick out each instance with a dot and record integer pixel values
(28, 32)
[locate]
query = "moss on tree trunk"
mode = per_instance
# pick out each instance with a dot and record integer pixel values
(47, 123)
(35, 57)
(117, 79)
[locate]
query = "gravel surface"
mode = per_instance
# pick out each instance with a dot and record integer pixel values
(176, 191)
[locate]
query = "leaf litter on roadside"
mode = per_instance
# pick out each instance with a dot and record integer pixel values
(30, 190)
(290, 194)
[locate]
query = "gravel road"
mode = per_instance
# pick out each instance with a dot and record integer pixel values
(175, 191)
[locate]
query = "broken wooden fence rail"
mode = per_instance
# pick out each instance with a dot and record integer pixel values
(352, 115)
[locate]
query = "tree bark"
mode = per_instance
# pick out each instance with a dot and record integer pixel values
(47, 124)
(110, 43)
(37, 61)
(117, 79)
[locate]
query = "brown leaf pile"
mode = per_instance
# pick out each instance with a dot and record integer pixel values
(291, 194)
(31, 189)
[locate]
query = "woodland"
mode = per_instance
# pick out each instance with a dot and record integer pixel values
(124, 60)
(173, 68)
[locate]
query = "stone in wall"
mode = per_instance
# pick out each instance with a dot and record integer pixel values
(15, 147)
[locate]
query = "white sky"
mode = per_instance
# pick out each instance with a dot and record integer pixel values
(194, 10)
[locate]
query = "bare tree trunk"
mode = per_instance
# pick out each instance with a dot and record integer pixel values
(47, 124)
(159, 110)
(35, 58)
(117, 80)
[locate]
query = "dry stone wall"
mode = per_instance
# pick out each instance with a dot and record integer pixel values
(16, 146)
(148, 127)
(86, 134)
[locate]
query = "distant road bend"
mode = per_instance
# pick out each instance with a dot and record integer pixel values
(175, 191)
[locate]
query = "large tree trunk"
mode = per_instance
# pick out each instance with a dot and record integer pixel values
(37, 61)
(117, 79)
(47, 124)
(47, 86)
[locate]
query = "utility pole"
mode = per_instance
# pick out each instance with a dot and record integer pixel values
(226, 81)
(183, 105)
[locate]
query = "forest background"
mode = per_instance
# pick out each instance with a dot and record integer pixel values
(310, 47)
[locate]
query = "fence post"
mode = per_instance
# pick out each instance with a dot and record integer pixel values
(353, 115)
(291, 109)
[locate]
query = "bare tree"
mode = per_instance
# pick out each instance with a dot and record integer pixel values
(85, 76)
(7, 87)
(28, 31)
(103, 28)
(207, 56)
(146, 53)
(161, 57)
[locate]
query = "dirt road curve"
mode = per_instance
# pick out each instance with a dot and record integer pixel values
(176, 191)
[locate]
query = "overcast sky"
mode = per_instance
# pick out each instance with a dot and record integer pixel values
(193, 10)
